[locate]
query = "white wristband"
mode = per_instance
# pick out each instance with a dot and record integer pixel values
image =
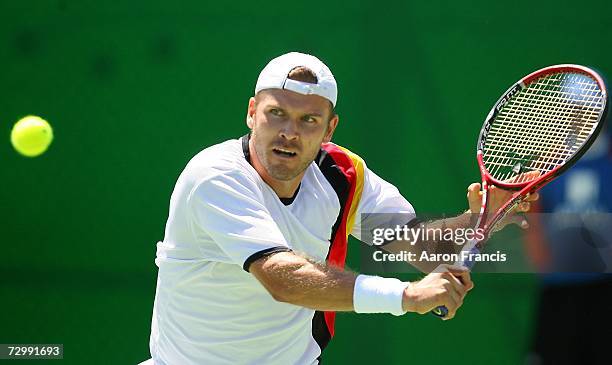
(375, 294)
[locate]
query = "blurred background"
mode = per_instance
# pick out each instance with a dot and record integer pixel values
(134, 89)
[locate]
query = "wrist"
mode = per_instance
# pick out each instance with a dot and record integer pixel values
(409, 299)
(375, 294)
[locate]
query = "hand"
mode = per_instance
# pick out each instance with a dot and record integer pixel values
(446, 286)
(497, 197)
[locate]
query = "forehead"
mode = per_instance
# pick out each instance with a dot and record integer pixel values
(288, 99)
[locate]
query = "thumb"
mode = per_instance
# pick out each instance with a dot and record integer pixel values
(474, 197)
(517, 219)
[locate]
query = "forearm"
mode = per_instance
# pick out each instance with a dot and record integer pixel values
(433, 241)
(296, 280)
(293, 279)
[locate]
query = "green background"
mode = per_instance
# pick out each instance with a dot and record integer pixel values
(134, 89)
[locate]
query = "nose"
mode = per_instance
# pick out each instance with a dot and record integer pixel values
(290, 129)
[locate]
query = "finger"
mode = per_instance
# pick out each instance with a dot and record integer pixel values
(473, 188)
(527, 176)
(454, 283)
(442, 268)
(517, 219)
(457, 291)
(474, 197)
(447, 300)
(456, 269)
(466, 280)
(524, 223)
(452, 306)
(533, 174)
(521, 222)
(532, 197)
(523, 207)
(458, 275)
(456, 298)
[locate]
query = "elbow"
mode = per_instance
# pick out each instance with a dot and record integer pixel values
(280, 295)
(281, 292)
(281, 276)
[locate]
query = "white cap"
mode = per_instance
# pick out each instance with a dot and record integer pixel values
(274, 76)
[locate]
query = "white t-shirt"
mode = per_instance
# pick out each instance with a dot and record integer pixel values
(208, 308)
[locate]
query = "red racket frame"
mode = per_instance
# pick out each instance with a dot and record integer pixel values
(523, 189)
(528, 187)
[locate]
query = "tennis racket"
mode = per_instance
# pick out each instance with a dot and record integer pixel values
(537, 130)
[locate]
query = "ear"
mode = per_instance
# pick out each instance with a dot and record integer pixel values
(333, 123)
(251, 112)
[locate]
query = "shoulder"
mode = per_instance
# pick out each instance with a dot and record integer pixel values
(335, 157)
(223, 163)
(223, 156)
(340, 153)
(343, 169)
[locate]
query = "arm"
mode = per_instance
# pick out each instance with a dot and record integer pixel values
(466, 220)
(293, 279)
(434, 244)
(227, 209)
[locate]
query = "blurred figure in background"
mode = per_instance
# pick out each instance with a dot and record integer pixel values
(570, 243)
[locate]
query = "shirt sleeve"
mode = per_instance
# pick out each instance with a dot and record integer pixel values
(229, 208)
(381, 206)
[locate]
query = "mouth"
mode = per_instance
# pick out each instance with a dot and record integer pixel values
(284, 153)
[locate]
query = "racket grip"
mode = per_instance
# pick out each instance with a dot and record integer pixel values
(442, 311)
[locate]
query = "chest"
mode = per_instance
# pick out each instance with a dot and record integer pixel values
(307, 223)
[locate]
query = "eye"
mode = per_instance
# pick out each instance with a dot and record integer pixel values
(277, 112)
(309, 119)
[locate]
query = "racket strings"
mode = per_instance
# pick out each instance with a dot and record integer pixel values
(542, 126)
(574, 121)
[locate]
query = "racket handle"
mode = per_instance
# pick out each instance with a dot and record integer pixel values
(442, 311)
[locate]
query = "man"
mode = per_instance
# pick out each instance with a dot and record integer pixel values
(251, 266)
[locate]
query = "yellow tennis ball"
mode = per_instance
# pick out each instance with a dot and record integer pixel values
(31, 136)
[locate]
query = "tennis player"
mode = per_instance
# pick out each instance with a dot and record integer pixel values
(251, 268)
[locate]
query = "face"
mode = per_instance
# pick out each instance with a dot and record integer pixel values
(288, 129)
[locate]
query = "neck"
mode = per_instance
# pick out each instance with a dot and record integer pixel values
(282, 188)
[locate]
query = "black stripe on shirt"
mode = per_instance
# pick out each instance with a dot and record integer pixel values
(245, 147)
(320, 332)
(263, 253)
(338, 181)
